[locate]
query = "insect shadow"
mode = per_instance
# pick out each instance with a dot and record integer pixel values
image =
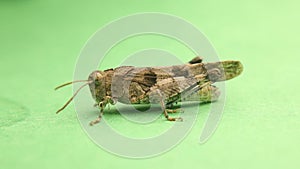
(143, 108)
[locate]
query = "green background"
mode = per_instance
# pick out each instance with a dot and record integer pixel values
(39, 45)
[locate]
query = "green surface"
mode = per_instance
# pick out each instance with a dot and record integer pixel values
(40, 42)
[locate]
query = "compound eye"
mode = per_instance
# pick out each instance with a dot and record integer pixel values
(98, 75)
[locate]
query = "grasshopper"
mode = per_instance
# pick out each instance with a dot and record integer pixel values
(159, 85)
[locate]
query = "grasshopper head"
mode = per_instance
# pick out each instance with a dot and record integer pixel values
(97, 85)
(96, 81)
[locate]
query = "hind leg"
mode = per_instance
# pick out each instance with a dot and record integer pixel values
(165, 110)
